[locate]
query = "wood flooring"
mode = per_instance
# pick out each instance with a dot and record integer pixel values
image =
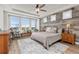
(14, 49)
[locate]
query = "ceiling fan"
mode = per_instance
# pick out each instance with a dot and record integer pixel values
(39, 7)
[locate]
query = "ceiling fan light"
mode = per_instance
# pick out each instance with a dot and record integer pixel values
(37, 10)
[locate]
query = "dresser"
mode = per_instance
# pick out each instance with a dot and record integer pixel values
(68, 37)
(4, 41)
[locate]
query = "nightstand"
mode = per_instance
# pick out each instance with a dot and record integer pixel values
(68, 37)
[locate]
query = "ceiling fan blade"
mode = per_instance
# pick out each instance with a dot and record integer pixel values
(37, 5)
(43, 10)
(42, 5)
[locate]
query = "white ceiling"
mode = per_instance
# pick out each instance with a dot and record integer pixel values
(51, 8)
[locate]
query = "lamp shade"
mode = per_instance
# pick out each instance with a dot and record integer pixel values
(68, 25)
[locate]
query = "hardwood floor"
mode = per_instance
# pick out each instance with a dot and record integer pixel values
(73, 49)
(14, 49)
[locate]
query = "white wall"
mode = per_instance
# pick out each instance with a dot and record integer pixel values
(6, 10)
(1, 17)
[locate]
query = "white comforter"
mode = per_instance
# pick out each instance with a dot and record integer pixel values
(46, 38)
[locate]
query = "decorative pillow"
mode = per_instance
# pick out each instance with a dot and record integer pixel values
(53, 30)
(48, 29)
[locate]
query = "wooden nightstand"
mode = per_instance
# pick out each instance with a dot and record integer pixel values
(68, 37)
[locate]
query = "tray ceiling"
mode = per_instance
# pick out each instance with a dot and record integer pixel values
(30, 8)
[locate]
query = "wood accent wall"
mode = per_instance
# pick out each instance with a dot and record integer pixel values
(75, 17)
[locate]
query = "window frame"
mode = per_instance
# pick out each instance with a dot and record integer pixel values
(53, 18)
(67, 14)
(20, 21)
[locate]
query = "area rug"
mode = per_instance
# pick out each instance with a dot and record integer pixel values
(29, 46)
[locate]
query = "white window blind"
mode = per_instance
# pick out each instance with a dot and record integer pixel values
(53, 18)
(67, 14)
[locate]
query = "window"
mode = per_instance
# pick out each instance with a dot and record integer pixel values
(33, 24)
(67, 14)
(22, 24)
(14, 21)
(25, 23)
(45, 20)
(53, 18)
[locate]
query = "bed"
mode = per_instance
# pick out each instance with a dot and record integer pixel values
(46, 38)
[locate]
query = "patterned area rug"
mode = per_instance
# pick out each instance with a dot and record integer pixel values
(29, 46)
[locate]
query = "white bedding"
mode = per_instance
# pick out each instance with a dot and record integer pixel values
(46, 38)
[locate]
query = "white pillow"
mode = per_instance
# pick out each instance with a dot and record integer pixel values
(53, 30)
(48, 29)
